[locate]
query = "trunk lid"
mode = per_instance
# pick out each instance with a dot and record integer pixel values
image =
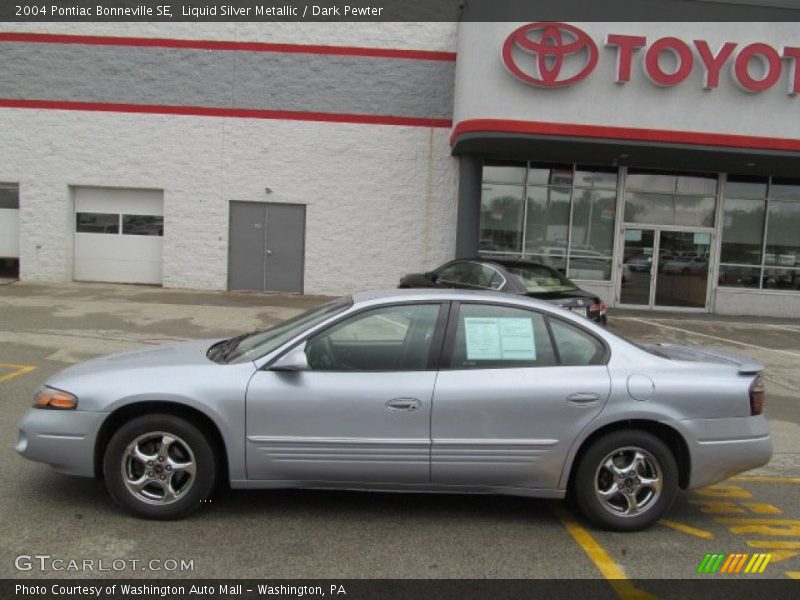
(744, 364)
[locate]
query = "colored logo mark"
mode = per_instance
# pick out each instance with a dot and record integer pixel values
(737, 562)
(537, 53)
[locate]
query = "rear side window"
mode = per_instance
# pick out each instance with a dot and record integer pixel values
(576, 348)
(496, 337)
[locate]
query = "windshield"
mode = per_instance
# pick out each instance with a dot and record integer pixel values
(251, 346)
(541, 279)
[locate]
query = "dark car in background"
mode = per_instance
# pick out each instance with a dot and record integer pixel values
(514, 276)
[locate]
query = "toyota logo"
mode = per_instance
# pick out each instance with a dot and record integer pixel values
(549, 54)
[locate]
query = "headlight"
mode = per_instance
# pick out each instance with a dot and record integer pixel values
(51, 398)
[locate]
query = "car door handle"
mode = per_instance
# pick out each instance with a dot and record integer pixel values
(583, 398)
(408, 404)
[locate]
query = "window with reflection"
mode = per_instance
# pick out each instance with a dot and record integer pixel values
(9, 196)
(761, 234)
(670, 199)
(565, 213)
(142, 225)
(96, 222)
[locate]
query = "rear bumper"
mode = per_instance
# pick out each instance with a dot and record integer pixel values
(721, 448)
(64, 439)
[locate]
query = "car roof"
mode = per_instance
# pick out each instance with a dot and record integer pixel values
(429, 294)
(504, 261)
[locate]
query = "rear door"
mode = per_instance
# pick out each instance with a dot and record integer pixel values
(515, 389)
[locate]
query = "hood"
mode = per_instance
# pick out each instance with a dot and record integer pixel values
(181, 354)
(743, 364)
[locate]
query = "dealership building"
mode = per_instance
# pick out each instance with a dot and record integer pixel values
(655, 163)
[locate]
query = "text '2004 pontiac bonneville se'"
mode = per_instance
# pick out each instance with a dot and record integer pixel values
(409, 390)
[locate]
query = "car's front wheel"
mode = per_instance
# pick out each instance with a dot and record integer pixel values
(159, 466)
(626, 480)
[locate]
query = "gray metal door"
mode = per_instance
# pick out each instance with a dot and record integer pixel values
(267, 247)
(286, 243)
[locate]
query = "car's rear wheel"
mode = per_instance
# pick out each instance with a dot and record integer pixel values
(626, 480)
(159, 466)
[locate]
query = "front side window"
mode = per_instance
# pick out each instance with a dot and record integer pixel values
(492, 337)
(251, 346)
(389, 338)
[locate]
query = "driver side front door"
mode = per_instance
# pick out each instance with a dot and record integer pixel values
(362, 411)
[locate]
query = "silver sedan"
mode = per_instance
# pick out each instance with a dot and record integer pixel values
(409, 390)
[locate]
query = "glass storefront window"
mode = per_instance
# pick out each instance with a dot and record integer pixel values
(783, 234)
(593, 215)
(736, 276)
(547, 218)
(549, 175)
(742, 231)
(669, 209)
(501, 217)
(740, 187)
(553, 195)
(752, 209)
(784, 189)
(496, 172)
(596, 179)
(781, 279)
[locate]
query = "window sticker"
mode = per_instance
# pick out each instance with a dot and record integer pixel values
(499, 339)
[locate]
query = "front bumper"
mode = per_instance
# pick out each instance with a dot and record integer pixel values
(721, 448)
(64, 439)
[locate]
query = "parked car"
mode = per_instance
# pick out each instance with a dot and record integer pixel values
(640, 262)
(514, 276)
(411, 390)
(686, 265)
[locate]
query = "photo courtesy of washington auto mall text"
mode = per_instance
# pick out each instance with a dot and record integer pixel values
(400, 299)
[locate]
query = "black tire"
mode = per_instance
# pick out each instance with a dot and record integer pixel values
(621, 446)
(190, 446)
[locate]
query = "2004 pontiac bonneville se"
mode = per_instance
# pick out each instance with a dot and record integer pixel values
(409, 390)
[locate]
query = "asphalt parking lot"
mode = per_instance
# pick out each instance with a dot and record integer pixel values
(301, 534)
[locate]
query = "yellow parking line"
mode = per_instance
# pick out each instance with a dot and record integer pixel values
(793, 574)
(18, 370)
(601, 558)
(766, 479)
(700, 533)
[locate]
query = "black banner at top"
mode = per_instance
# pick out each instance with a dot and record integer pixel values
(397, 10)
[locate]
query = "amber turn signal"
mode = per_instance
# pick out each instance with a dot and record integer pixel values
(50, 398)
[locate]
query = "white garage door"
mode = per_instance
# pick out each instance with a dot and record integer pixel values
(119, 235)
(9, 221)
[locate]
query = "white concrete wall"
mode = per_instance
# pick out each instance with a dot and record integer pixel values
(760, 303)
(381, 199)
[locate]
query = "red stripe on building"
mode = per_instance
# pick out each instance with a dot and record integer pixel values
(97, 40)
(623, 133)
(242, 113)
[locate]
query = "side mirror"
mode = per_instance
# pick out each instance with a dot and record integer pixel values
(294, 360)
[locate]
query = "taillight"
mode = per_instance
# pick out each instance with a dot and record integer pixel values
(757, 396)
(601, 308)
